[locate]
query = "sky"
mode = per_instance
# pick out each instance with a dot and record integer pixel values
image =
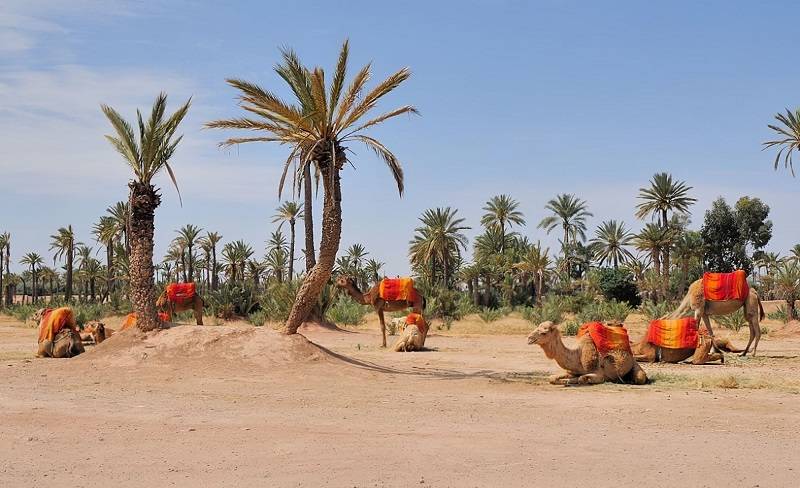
(531, 99)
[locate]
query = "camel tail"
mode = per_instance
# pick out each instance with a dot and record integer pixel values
(684, 307)
(761, 310)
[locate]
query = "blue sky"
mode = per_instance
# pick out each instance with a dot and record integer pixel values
(526, 98)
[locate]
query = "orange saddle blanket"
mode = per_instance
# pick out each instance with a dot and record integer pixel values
(419, 321)
(397, 289)
(130, 320)
(673, 334)
(180, 293)
(53, 321)
(606, 338)
(726, 286)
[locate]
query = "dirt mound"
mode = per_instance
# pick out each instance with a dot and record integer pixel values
(789, 329)
(209, 346)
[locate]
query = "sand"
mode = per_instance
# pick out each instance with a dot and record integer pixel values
(242, 406)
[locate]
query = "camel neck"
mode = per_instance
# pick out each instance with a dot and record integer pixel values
(357, 295)
(569, 359)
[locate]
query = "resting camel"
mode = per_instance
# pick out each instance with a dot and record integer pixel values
(164, 304)
(650, 353)
(371, 297)
(58, 339)
(695, 301)
(95, 331)
(584, 365)
(414, 334)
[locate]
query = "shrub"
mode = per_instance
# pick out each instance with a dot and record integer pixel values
(570, 328)
(258, 318)
(346, 311)
(652, 310)
(442, 303)
(277, 301)
(465, 306)
(604, 311)
(231, 300)
(780, 314)
(552, 310)
(734, 321)
(618, 285)
(490, 314)
(22, 312)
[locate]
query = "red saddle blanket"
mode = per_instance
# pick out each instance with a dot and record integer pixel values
(606, 338)
(419, 321)
(53, 321)
(673, 334)
(397, 289)
(726, 286)
(180, 293)
(130, 320)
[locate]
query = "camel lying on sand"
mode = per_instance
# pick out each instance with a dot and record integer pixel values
(196, 304)
(414, 334)
(585, 365)
(650, 353)
(95, 331)
(65, 344)
(58, 334)
(372, 297)
(695, 301)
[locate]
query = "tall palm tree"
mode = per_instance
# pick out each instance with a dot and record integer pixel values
(147, 155)
(5, 250)
(653, 239)
(788, 131)
(610, 242)
(51, 277)
(502, 211)
(663, 196)
(107, 232)
(189, 234)
(688, 249)
(569, 213)
(536, 263)
(34, 262)
(84, 255)
(373, 269)
(438, 241)
(318, 127)
(64, 245)
(277, 258)
(289, 212)
(211, 239)
(119, 213)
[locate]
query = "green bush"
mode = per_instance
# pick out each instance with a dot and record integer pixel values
(618, 285)
(464, 307)
(780, 314)
(345, 311)
(232, 300)
(258, 318)
(734, 321)
(277, 301)
(490, 314)
(652, 310)
(570, 328)
(551, 310)
(22, 312)
(442, 302)
(612, 311)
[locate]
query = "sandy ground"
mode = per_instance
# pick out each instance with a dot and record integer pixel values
(239, 406)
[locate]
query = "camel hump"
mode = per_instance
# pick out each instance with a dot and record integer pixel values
(726, 286)
(397, 289)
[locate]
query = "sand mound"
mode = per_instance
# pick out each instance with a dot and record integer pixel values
(790, 329)
(209, 346)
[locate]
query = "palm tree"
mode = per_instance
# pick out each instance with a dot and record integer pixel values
(501, 211)
(664, 195)
(289, 212)
(34, 262)
(107, 232)
(147, 156)
(788, 132)
(537, 264)
(373, 270)
(318, 127)
(64, 245)
(50, 275)
(688, 249)
(795, 252)
(570, 213)
(5, 250)
(210, 240)
(119, 213)
(438, 241)
(189, 233)
(787, 285)
(610, 242)
(653, 239)
(277, 255)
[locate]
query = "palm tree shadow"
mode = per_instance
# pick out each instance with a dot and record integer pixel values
(439, 373)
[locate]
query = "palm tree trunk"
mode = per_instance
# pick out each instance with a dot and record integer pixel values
(476, 296)
(308, 218)
(191, 265)
(143, 202)
(68, 279)
(109, 269)
(329, 245)
(33, 288)
(539, 288)
(214, 272)
(291, 251)
(2, 290)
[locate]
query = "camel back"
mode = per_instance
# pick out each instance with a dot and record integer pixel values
(606, 338)
(726, 286)
(397, 289)
(53, 321)
(674, 333)
(180, 293)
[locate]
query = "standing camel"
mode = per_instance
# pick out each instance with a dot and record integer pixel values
(172, 302)
(372, 297)
(695, 300)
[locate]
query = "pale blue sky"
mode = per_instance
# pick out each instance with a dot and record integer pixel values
(526, 98)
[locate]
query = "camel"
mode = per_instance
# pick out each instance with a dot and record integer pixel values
(584, 365)
(164, 304)
(371, 297)
(695, 301)
(66, 344)
(95, 331)
(650, 353)
(414, 334)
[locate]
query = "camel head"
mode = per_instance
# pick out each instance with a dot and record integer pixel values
(37, 315)
(546, 332)
(345, 282)
(98, 332)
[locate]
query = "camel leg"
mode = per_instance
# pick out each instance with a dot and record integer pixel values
(755, 331)
(563, 379)
(707, 322)
(198, 312)
(591, 379)
(383, 326)
(701, 355)
(636, 375)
